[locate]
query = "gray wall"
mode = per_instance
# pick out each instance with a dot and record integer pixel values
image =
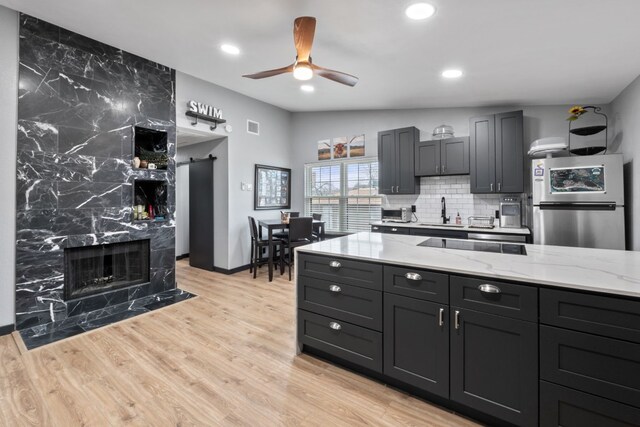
(625, 125)
(308, 128)
(8, 120)
(217, 148)
(271, 147)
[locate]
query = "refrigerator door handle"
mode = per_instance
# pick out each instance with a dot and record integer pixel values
(584, 206)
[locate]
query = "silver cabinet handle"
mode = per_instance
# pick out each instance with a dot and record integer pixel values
(489, 289)
(441, 317)
(444, 168)
(491, 186)
(413, 276)
(437, 168)
(335, 288)
(335, 326)
(456, 320)
(335, 264)
(394, 229)
(499, 186)
(376, 228)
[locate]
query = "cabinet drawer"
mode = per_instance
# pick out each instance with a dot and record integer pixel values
(436, 232)
(605, 367)
(561, 406)
(517, 301)
(360, 306)
(340, 270)
(341, 339)
(603, 315)
(388, 229)
(417, 283)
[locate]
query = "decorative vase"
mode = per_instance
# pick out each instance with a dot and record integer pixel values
(136, 162)
(144, 164)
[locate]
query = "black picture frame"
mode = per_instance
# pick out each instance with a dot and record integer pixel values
(272, 188)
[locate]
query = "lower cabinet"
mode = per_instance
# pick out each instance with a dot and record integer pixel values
(494, 365)
(416, 343)
(562, 406)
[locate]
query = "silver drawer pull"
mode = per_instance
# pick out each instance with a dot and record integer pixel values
(335, 264)
(441, 317)
(376, 228)
(489, 289)
(413, 276)
(335, 326)
(394, 229)
(335, 288)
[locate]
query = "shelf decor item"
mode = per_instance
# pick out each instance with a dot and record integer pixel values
(592, 129)
(443, 132)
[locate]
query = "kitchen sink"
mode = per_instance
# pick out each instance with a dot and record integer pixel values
(442, 225)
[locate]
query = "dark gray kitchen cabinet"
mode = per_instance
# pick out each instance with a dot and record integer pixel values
(442, 157)
(496, 153)
(494, 365)
(396, 161)
(416, 343)
(563, 406)
(427, 158)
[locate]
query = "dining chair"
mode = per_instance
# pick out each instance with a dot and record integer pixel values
(300, 234)
(317, 232)
(284, 233)
(257, 246)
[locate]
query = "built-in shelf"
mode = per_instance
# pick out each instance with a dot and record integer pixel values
(150, 200)
(150, 146)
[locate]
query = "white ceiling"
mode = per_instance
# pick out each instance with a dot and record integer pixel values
(512, 51)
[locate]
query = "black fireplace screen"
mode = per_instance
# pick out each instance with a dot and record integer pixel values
(95, 269)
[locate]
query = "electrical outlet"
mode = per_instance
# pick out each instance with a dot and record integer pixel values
(413, 208)
(243, 186)
(249, 187)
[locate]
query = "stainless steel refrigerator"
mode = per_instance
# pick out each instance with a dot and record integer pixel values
(579, 201)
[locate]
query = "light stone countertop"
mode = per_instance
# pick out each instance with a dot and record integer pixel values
(434, 225)
(598, 270)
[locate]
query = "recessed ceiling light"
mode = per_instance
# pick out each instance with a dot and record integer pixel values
(307, 88)
(420, 11)
(451, 74)
(230, 49)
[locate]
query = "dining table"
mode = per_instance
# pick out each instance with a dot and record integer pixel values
(277, 224)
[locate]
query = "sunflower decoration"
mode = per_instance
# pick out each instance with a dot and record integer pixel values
(575, 112)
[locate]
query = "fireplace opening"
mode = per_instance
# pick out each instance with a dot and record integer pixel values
(95, 269)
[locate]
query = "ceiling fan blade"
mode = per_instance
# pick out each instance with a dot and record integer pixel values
(304, 28)
(270, 73)
(336, 76)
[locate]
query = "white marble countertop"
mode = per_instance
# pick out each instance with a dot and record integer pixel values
(597, 270)
(428, 224)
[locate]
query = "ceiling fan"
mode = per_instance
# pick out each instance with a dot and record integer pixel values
(304, 29)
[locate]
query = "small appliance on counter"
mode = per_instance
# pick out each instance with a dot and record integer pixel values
(511, 212)
(396, 215)
(481, 222)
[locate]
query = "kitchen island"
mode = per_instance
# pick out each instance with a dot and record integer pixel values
(505, 338)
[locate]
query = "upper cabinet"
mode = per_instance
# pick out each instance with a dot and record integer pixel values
(496, 153)
(442, 157)
(396, 157)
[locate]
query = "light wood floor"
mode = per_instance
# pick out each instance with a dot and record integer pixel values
(224, 358)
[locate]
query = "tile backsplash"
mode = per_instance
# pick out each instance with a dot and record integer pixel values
(456, 190)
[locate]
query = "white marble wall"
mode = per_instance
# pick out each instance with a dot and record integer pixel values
(456, 190)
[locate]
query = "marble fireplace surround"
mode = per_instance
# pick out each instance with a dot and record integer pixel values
(78, 102)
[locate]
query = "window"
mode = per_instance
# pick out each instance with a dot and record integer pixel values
(344, 192)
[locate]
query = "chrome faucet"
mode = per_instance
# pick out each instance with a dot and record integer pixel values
(445, 219)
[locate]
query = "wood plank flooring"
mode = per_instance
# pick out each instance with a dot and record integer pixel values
(226, 358)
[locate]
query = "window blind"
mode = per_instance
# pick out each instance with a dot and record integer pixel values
(344, 192)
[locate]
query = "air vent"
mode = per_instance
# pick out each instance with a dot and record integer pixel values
(253, 127)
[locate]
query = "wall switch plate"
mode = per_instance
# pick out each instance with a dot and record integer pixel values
(413, 208)
(243, 186)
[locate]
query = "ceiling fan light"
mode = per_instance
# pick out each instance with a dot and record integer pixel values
(302, 72)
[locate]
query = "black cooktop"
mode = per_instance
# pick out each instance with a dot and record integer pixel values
(474, 245)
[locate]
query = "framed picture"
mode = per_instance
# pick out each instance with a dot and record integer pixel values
(356, 146)
(324, 149)
(340, 147)
(272, 188)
